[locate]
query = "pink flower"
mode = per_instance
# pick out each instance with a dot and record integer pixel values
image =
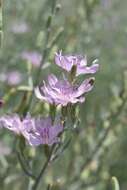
(68, 61)
(33, 57)
(35, 130)
(13, 78)
(61, 92)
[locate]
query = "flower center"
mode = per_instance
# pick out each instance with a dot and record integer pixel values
(45, 135)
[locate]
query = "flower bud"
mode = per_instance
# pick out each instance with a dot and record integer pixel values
(73, 73)
(58, 7)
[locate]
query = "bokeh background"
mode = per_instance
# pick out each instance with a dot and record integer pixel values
(96, 28)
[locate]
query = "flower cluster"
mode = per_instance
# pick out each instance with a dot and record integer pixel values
(63, 92)
(56, 92)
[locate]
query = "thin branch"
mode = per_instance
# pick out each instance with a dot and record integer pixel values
(38, 179)
(1, 22)
(27, 172)
(44, 53)
(48, 187)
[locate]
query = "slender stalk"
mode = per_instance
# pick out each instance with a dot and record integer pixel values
(26, 171)
(44, 52)
(38, 179)
(20, 146)
(1, 22)
(48, 187)
(48, 31)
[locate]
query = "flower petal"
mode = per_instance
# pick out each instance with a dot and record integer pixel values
(52, 80)
(86, 86)
(87, 70)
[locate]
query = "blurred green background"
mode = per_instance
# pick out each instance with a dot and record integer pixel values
(98, 29)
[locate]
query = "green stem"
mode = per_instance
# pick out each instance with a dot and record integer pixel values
(22, 159)
(38, 179)
(1, 22)
(26, 171)
(44, 53)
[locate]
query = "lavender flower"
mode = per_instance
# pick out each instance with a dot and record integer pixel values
(61, 92)
(13, 123)
(35, 130)
(68, 61)
(47, 133)
(33, 57)
(13, 78)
